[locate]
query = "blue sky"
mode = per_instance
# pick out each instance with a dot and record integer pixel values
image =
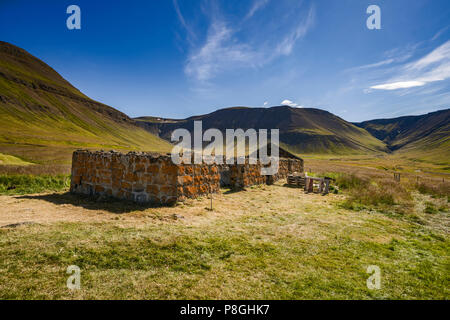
(177, 58)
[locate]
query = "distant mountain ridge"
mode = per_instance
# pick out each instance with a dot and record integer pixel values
(302, 130)
(309, 130)
(43, 117)
(427, 135)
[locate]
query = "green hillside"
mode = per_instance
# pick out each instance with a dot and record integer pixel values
(43, 118)
(425, 137)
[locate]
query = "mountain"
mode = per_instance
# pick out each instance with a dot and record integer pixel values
(424, 136)
(302, 130)
(44, 118)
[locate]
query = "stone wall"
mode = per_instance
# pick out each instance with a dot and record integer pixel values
(140, 177)
(244, 175)
(285, 167)
(154, 178)
(194, 180)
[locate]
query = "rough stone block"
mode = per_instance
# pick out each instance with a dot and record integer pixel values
(152, 189)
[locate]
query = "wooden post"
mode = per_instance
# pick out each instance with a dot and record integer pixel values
(321, 185)
(327, 184)
(309, 185)
(210, 195)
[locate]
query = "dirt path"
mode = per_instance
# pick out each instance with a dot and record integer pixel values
(18, 209)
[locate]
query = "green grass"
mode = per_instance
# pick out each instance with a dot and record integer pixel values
(269, 242)
(430, 208)
(29, 184)
(172, 261)
(6, 159)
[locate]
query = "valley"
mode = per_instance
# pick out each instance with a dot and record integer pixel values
(263, 242)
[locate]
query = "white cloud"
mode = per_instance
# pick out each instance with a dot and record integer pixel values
(224, 50)
(290, 103)
(398, 85)
(439, 54)
(265, 103)
(218, 53)
(435, 66)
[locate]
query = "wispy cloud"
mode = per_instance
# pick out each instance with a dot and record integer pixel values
(257, 5)
(287, 44)
(389, 58)
(225, 49)
(439, 33)
(191, 35)
(372, 65)
(398, 85)
(433, 67)
(219, 53)
(440, 54)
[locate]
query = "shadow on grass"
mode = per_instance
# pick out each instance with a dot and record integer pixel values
(90, 203)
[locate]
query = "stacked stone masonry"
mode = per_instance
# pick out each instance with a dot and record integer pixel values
(245, 175)
(154, 178)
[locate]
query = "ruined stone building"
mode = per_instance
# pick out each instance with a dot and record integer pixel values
(154, 178)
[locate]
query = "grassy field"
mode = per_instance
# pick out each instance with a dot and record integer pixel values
(27, 183)
(409, 164)
(268, 242)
